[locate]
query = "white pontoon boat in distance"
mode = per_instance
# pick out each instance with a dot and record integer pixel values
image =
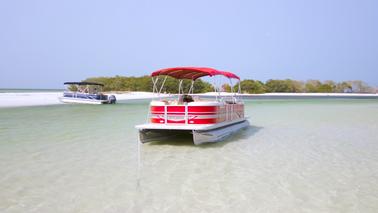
(86, 93)
(206, 120)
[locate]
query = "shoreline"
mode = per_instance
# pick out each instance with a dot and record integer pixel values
(298, 95)
(22, 99)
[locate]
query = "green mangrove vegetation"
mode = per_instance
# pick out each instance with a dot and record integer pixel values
(310, 86)
(144, 83)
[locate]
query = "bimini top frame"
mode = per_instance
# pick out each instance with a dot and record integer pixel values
(82, 83)
(83, 87)
(191, 73)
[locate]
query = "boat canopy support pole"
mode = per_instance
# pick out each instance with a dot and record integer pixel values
(180, 89)
(215, 88)
(154, 87)
(191, 89)
(232, 90)
(162, 85)
(231, 85)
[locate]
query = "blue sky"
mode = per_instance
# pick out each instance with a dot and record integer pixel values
(44, 42)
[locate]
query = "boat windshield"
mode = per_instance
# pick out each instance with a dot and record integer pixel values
(83, 88)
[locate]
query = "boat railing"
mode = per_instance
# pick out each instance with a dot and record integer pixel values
(85, 95)
(186, 113)
(225, 112)
(165, 114)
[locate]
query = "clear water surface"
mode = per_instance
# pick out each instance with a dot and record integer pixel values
(297, 156)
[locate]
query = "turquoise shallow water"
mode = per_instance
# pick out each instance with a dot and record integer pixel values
(297, 156)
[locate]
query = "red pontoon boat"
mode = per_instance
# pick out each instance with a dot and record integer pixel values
(207, 120)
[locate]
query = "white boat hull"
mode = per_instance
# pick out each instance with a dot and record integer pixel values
(199, 135)
(82, 101)
(219, 134)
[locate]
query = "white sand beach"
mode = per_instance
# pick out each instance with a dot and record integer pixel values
(51, 98)
(29, 99)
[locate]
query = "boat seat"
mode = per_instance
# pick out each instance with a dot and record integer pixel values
(187, 98)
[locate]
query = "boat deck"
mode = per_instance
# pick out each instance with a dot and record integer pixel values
(188, 126)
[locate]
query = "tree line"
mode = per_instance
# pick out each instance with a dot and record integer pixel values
(310, 86)
(144, 83)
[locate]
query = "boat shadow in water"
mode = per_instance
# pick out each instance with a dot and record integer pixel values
(186, 138)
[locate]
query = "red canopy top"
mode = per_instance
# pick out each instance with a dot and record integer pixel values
(230, 75)
(192, 72)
